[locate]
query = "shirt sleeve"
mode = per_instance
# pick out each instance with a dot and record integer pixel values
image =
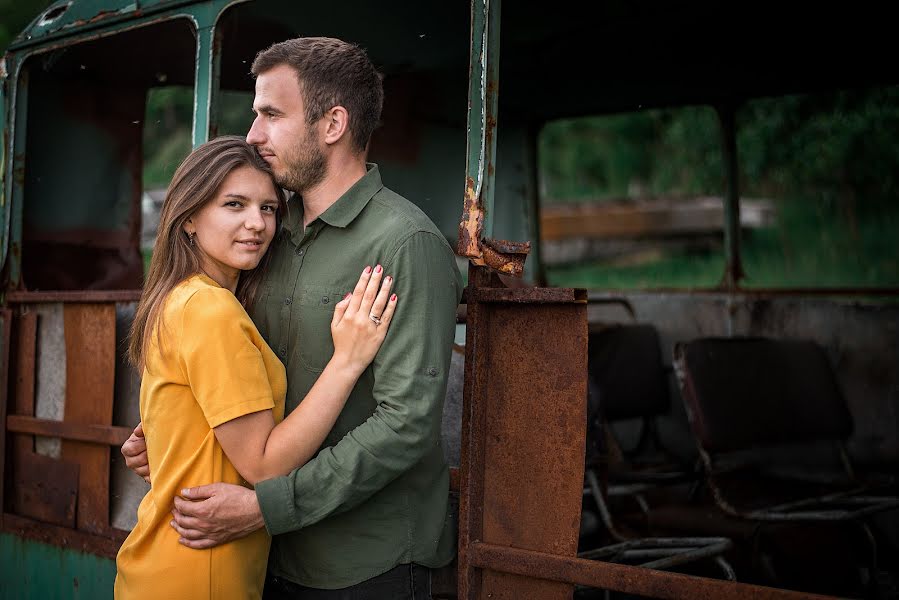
(222, 364)
(410, 374)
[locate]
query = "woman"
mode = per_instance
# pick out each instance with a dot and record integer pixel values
(212, 393)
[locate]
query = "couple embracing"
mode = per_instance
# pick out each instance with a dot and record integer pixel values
(335, 308)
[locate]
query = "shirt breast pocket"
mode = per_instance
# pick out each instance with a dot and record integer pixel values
(315, 346)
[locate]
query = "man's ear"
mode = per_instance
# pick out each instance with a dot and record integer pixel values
(336, 124)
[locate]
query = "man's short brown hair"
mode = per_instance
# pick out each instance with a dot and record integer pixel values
(331, 73)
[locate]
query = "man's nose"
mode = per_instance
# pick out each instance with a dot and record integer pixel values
(255, 135)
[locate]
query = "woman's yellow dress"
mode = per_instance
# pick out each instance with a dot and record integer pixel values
(210, 367)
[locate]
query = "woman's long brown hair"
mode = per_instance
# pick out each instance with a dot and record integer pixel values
(195, 183)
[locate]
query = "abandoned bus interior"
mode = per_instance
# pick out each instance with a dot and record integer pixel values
(614, 428)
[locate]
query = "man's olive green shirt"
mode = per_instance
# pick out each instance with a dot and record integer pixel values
(376, 495)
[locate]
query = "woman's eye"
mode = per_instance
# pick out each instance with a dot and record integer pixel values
(270, 207)
(233, 203)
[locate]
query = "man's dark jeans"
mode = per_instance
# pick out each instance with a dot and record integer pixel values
(404, 582)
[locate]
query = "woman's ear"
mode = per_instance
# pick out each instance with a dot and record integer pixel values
(188, 227)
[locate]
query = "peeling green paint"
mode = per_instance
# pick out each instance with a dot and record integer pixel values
(31, 570)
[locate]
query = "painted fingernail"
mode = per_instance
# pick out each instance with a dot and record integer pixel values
(348, 294)
(393, 298)
(378, 269)
(367, 270)
(172, 522)
(388, 279)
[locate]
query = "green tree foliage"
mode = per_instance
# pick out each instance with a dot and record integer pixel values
(169, 115)
(829, 161)
(842, 145)
(167, 132)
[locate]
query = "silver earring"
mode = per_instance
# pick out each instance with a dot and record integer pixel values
(190, 236)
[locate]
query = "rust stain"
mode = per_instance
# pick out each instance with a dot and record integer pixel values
(471, 224)
(510, 265)
(508, 247)
(501, 255)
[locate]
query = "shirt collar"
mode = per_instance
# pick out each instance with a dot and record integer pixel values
(345, 209)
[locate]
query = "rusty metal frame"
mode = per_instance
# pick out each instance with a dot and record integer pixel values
(80, 296)
(525, 355)
(619, 578)
(515, 545)
(520, 344)
(476, 226)
(106, 546)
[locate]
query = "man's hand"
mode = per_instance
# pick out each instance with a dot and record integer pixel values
(214, 514)
(135, 452)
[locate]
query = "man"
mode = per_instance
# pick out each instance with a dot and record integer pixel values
(368, 516)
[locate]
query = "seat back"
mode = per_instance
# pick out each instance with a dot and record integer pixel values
(625, 361)
(743, 393)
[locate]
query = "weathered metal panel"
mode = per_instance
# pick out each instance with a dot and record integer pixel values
(30, 569)
(126, 488)
(45, 489)
(50, 390)
(526, 355)
(68, 18)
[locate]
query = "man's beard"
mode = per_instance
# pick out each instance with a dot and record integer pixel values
(306, 168)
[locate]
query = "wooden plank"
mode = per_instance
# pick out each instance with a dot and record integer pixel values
(90, 388)
(640, 219)
(107, 435)
(26, 371)
(45, 489)
(5, 337)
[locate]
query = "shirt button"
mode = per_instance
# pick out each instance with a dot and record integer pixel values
(432, 371)
(301, 251)
(287, 301)
(326, 299)
(282, 351)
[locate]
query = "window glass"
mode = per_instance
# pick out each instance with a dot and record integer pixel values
(828, 164)
(633, 200)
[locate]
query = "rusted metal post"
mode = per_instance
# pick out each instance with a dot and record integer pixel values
(475, 226)
(523, 430)
(15, 184)
(5, 341)
(733, 272)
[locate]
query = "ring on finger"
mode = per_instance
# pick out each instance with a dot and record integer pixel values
(376, 320)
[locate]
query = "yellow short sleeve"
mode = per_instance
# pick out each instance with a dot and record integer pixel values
(220, 357)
